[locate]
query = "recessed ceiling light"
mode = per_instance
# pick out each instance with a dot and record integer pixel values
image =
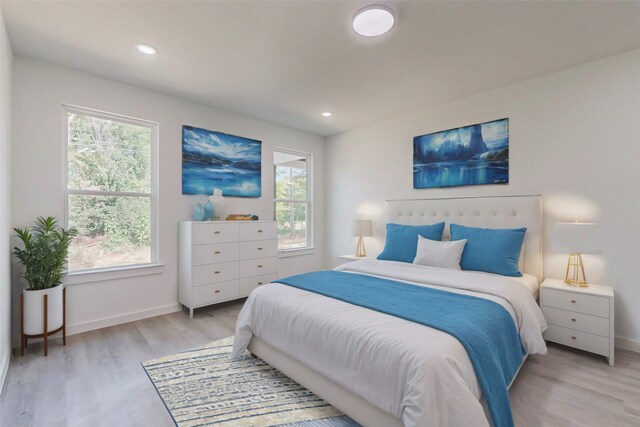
(327, 114)
(146, 49)
(373, 21)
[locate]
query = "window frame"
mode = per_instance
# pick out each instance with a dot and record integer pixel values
(309, 201)
(126, 270)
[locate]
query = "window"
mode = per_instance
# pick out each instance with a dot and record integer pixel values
(110, 189)
(293, 199)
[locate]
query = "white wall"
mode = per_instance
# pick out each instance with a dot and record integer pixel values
(574, 137)
(41, 88)
(6, 59)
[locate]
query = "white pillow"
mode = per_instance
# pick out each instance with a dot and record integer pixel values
(439, 254)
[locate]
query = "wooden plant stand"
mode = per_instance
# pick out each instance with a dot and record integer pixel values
(24, 337)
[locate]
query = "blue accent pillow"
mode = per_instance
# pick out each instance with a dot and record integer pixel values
(493, 250)
(402, 240)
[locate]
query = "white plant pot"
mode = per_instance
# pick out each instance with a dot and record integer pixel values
(34, 310)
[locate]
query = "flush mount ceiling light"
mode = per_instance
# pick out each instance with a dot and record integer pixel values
(146, 49)
(373, 21)
(327, 114)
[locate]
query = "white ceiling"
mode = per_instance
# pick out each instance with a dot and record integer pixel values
(286, 62)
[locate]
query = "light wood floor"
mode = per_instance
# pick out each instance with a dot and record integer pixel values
(97, 379)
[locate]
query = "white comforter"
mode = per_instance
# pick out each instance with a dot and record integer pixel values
(419, 374)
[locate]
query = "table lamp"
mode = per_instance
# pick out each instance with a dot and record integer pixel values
(575, 238)
(361, 228)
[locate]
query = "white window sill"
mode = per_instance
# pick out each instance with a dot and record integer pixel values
(101, 275)
(296, 252)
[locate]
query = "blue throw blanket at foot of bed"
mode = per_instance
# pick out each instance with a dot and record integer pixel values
(485, 328)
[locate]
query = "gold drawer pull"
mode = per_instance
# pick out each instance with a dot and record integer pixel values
(217, 252)
(573, 301)
(259, 249)
(573, 338)
(216, 232)
(573, 319)
(259, 265)
(259, 283)
(216, 272)
(217, 291)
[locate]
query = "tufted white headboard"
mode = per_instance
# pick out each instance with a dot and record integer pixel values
(487, 212)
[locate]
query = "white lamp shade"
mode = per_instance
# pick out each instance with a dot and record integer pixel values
(362, 227)
(576, 238)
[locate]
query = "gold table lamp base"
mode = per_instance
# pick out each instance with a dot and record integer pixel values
(574, 279)
(361, 252)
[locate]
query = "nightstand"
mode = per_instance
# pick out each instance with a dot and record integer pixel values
(351, 257)
(578, 317)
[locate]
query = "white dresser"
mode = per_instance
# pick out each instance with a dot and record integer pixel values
(579, 317)
(224, 260)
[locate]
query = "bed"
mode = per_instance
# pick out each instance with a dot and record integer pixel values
(383, 370)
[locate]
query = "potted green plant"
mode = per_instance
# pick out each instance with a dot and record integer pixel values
(44, 256)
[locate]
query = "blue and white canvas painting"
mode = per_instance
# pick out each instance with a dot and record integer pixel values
(470, 155)
(217, 160)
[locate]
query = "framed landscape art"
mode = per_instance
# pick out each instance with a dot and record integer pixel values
(213, 159)
(469, 155)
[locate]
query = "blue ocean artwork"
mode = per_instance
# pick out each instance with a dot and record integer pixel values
(217, 160)
(470, 155)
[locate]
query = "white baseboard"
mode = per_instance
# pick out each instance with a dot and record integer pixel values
(105, 322)
(4, 369)
(627, 344)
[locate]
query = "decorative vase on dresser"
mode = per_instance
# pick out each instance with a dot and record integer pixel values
(208, 211)
(579, 317)
(198, 211)
(217, 201)
(224, 260)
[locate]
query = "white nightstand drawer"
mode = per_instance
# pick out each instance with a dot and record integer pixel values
(580, 317)
(214, 273)
(258, 249)
(582, 322)
(258, 231)
(258, 267)
(248, 284)
(211, 254)
(577, 339)
(213, 232)
(573, 301)
(216, 292)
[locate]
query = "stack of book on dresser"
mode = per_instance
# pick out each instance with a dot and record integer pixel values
(242, 217)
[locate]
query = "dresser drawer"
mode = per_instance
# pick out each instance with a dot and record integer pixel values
(572, 301)
(582, 322)
(258, 267)
(258, 249)
(258, 231)
(216, 292)
(214, 273)
(211, 254)
(214, 232)
(248, 284)
(578, 339)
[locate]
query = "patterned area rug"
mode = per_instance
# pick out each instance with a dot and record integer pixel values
(206, 386)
